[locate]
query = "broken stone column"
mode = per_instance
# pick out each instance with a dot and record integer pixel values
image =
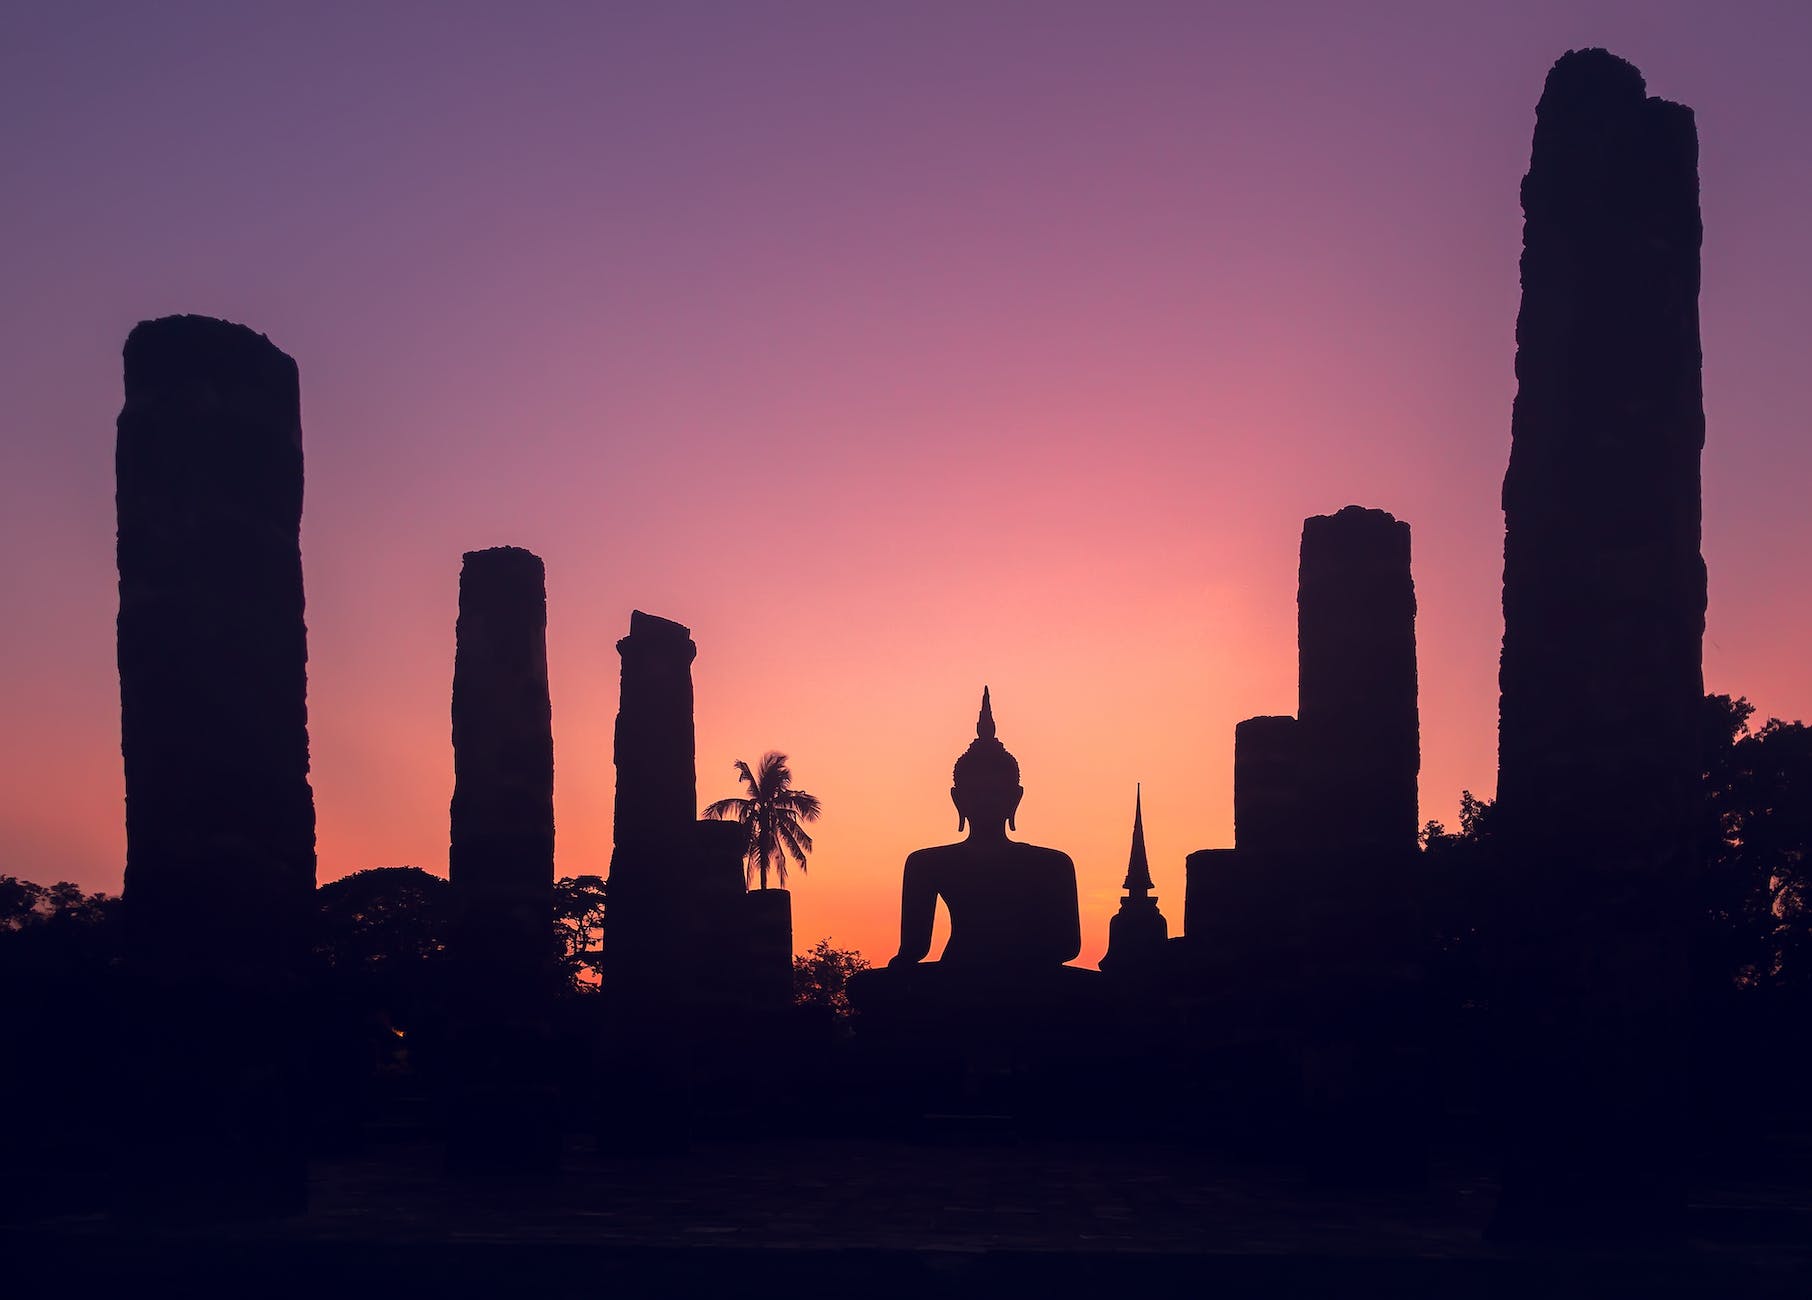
(501, 865)
(657, 768)
(1358, 757)
(220, 822)
(1604, 612)
(656, 808)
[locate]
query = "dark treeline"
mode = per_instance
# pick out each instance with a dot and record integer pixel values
(383, 1006)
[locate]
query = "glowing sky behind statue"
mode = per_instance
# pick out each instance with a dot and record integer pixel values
(893, 349)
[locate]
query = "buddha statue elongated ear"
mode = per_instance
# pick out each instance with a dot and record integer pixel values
(961, 821)
(1018, 794)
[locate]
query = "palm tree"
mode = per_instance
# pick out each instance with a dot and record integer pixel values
(771, 817)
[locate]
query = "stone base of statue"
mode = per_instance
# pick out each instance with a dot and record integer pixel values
(952, 1045)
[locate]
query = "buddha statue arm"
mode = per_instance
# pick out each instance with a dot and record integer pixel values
(1069, 934)
(918, 907)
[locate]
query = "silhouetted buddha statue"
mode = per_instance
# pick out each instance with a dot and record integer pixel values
(1012, 906)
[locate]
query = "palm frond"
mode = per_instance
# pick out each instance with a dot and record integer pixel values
(805, 806)
(797, 842)
(775, 775)
(725, 808)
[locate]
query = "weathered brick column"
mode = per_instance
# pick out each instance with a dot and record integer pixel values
(220, 822)
(501, 864)
(1604, 612)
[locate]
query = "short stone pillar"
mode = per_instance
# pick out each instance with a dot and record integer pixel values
(1212, 907)
(1599, 763)
(1236, 915)
(767, 923)
(220, 822)
(501, 867)
(1267, 786)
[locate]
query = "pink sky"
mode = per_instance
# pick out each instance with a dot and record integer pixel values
(894, 349)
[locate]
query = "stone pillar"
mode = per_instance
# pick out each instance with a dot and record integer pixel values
(657, 768)
(1604, 612)
(1360, 748)
(220, 822)
(1211, 898)
(1361, 942)
(767, 921)
(1267, 817)
(501, 865)
(656, 809)
(1236, 905)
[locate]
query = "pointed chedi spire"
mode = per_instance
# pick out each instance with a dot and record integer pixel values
(1138, 868)
(1138, 931)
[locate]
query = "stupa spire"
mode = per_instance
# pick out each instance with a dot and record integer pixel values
(1138, 868)
(1138, 931)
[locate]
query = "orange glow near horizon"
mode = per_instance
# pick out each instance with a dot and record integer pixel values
(893, 353)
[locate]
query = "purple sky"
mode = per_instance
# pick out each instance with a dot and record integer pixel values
(1019, 337)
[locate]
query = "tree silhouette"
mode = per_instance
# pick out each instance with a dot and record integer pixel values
(382, 918)
(579, 903)
(821, 977)
(771, 817)
(1754, 883)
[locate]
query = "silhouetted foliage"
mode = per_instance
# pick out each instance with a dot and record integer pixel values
(771, 816)
(579, 921)
(1753, 891)
(380, 918)
(1458, 875)
(59, 1057)
(821, 977)
(55, 931)
(1475, 816)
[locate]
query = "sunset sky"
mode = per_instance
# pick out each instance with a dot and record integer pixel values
(894, 348)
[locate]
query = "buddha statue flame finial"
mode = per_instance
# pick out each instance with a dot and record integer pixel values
(986, 767)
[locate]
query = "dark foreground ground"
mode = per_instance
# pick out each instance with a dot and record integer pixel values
(871, 1218)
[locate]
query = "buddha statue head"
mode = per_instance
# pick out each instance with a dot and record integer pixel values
(985, 788)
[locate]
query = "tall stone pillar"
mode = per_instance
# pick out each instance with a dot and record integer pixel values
(1360, 748)
(656, 810)
(1358, 757)
(1604, 612)
(657, 767)
(220, 820)
(501, 865)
